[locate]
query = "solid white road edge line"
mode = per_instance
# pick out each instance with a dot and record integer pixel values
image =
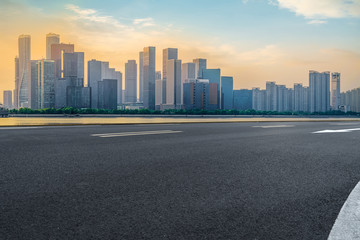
(338, 130)
(347, 224)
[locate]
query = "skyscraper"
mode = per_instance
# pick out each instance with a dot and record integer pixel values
(17, 84)
(141, 76)
(94, 76)
(242, 99)
(196, 94)
(73, 66)
(187, 72)
(271, 96)
(319, 85)
(213, 75)
(45, 89)
(131, 81)
(57, 51)
(173, 84)
(149, 77)
(335, 91)
(200, 65)
(168, 53)
(118, 76)
(22, 88)
(107, 94)
(227, 87)
(51, 38)
(7, 99)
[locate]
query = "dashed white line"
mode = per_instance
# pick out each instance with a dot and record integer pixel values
(347, 224)
(338, 130)
(126, 134)
(275, 126)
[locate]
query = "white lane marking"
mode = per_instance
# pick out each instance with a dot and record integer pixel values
(339, 130)
(17, 128)
(347, 224)
(275, 126)
(125, 134)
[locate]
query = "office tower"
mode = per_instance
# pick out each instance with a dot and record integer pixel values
(168, 54)
(45, 89)
(17, 84)
(7, 99)
(51, 38)
(158, 94)
(259, 99)
(319, 84)
(242, 99)
(196, 94)
(173, 84)
(57, 51)
(22, 88)
(141, 76)
(299, 98)
(187, 73)
(97, 72)
(282, 101)
(73, 66)
(149, 77)
(33, 86)
(118, 77)
(227, 88)
(131, 81)
(335, 91)
(107, 93)
(200, 66)
(271, 96)
(94, 76)
(213, 75)
(213, 96)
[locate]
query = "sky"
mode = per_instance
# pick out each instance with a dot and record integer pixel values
(252, 40)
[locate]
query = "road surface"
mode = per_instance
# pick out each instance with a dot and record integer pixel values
(177, 181)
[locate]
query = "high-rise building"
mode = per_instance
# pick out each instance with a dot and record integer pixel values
(319, 84)
(57, 51)
(187, 73)
(200, 65)
(227, 88)
(24, 71)
(141, 76)
(282, 98)
(33, 86)
(271, 96)
(173, 84)
(51, 38)
(45, 89)
(131, 81)
(335, 91)
(149, 77)
(258, 99)
(242, 99)
(168, 53)
(17, 84)
(299, 98)
(7, 99)
(196, 94)
(97, 72)
(94, 76)
(107, 94)
(73, 65)
(213, 75)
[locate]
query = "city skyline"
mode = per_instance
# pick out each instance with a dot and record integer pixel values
(296, 38)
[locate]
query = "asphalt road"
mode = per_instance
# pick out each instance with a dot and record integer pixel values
(200, 181)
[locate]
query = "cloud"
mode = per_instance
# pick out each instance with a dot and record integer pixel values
(322, 9)
(145, 22)
(317, 22)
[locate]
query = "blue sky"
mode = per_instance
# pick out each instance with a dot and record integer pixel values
(255, 41)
